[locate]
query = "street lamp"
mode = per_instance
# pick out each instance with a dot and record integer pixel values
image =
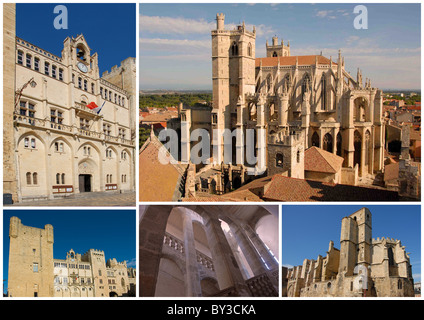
(18, 92)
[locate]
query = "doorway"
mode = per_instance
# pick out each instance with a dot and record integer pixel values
(85, 182)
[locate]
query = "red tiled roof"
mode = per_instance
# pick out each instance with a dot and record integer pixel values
(291, 61)
(299, 190)
(160, 117)
(158, 181)
(319, 160)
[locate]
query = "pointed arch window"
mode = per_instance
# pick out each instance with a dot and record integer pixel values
(249, 49)
(315, 139)
(234, 49)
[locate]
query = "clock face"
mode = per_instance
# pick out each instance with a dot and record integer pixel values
(82, 67)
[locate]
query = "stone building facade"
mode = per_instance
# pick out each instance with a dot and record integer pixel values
(287, 104)
(61, 143)
(363, 266)
(33, 272)
(207, 251)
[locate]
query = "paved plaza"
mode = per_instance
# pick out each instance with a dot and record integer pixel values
(88, 199)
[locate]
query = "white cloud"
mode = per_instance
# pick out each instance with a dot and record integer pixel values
(168, 25)
(132, 263)
(183, 26)
(325, 14)
(159, 43)
(331, 14)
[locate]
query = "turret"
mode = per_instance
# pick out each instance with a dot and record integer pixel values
(220, 17)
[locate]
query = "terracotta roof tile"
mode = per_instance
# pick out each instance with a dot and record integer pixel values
(319, 160)
(158, 182)
(299, 190)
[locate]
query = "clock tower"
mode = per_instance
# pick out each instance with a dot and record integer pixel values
(76, 54)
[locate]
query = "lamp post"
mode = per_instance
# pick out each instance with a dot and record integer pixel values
(18, 92)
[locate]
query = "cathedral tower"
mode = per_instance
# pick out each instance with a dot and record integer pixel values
(277, 50)
(355, 241)
(233, 76)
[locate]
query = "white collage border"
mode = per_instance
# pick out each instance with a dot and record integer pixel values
(136, 209)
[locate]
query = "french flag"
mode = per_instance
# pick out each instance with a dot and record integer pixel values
(93, 106)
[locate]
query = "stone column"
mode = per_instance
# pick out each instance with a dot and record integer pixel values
(185, 140)
(225, 264)
(192, 276)
(261, 248)
(251, 255)
(282, 111)
(260, 129)
(362, 171)
(348, 139)
(152, 228)
(239, 133)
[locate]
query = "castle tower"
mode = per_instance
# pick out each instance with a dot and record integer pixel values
(98, 267)
(233, 76)
(355, 241)
(30, 260)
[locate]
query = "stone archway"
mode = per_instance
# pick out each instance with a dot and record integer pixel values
(339, 144)
(86, 171)
(315, 140)
(357, 143)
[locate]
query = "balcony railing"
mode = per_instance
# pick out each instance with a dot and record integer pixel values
(47, 124)
(178, 246)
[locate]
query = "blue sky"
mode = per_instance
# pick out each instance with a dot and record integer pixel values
(308, 229)
(113, 231)
(175, 40)
(114, 42)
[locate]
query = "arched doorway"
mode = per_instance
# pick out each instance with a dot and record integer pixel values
(236, 182)
(85, 176)
(357, 143)
(339, 144)
(209, 287)
(367, 151)
(170, 281)
(315, 140)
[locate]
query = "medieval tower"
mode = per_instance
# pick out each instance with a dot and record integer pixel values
(98, 264)
(233, 76)
(30, 260)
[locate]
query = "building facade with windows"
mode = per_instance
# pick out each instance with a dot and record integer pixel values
(33, 272)
(73, 130)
